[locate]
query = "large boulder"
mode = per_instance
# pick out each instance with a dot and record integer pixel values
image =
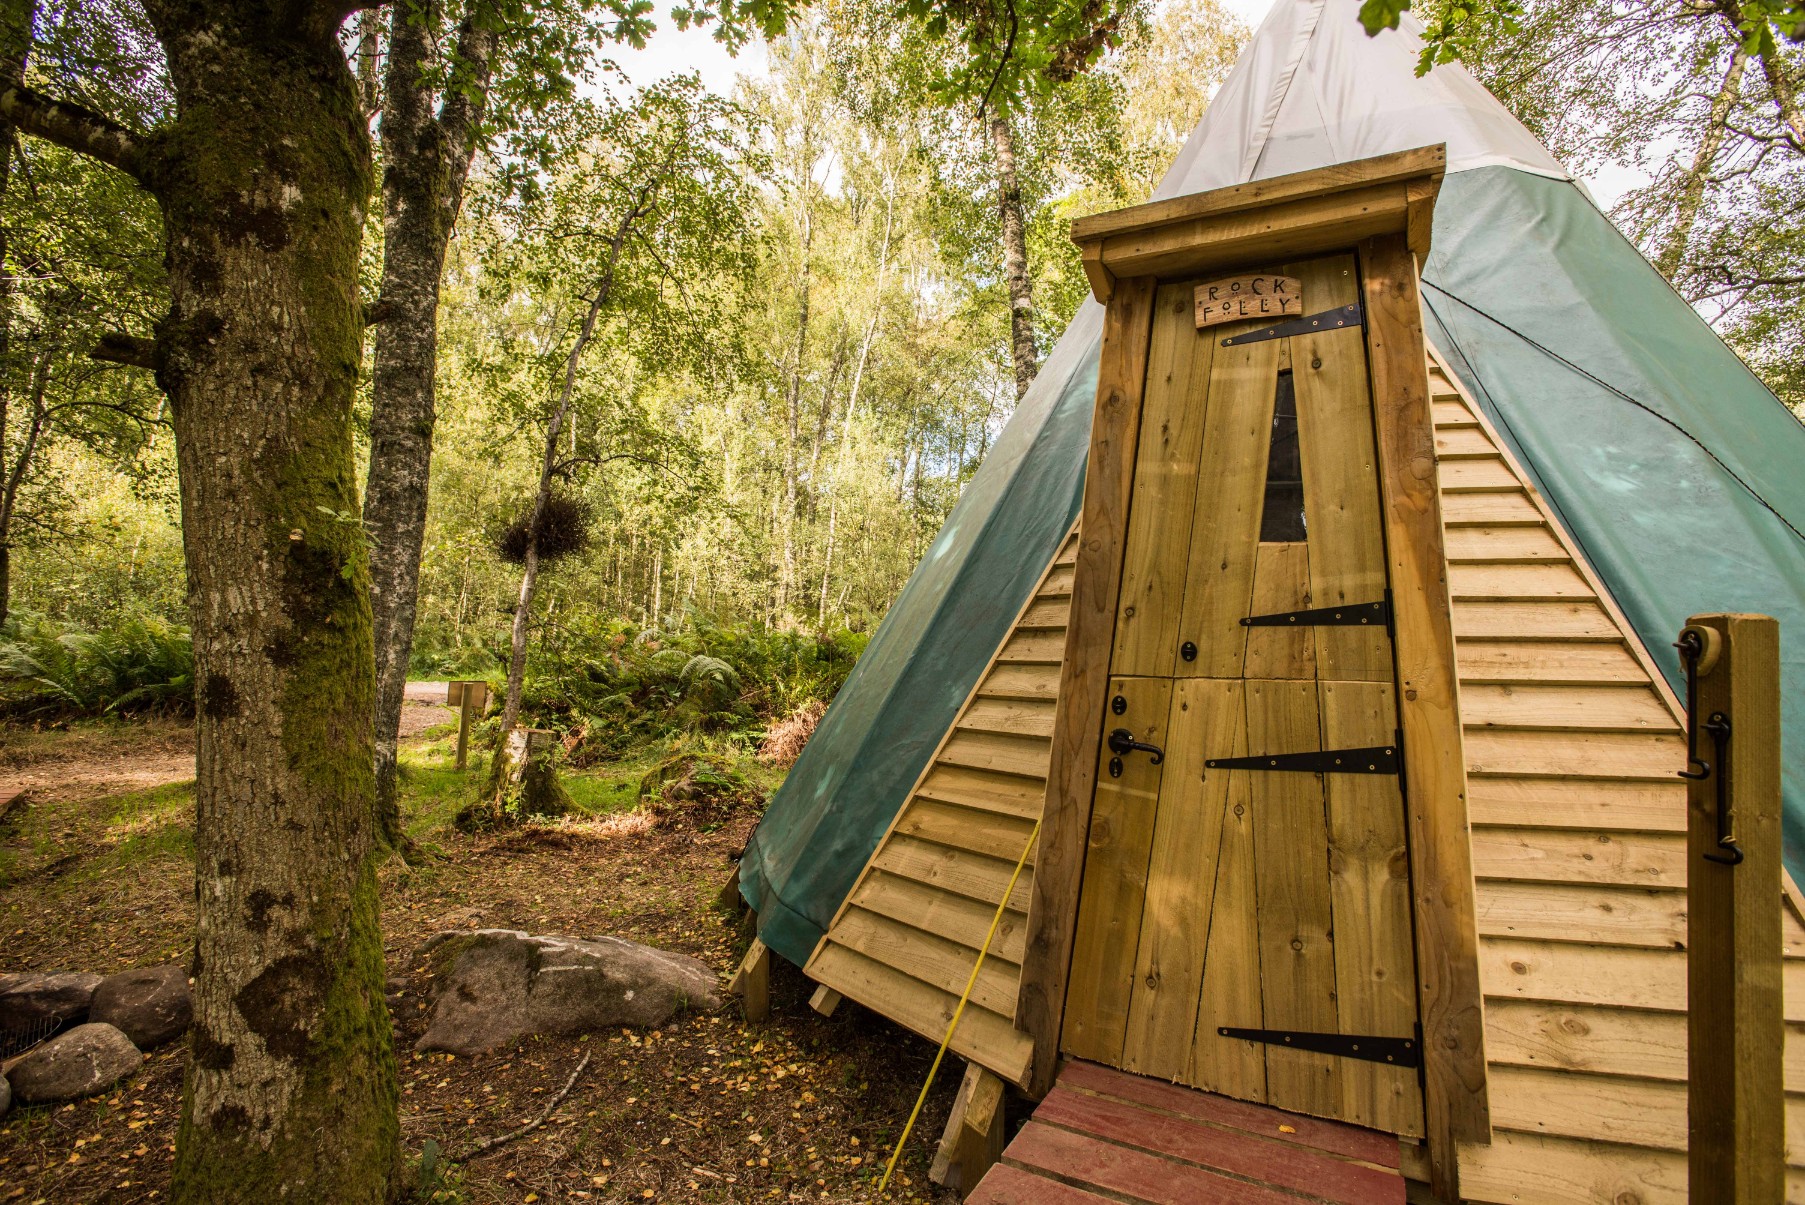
(80, 1062)
(6, 1095)
(33, 1001)
(494, 986)
(150, 1005)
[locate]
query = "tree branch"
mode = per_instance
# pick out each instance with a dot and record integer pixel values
(74, 127)
(126, 349)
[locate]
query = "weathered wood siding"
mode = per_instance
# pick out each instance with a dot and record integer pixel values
(904, 942)
(1579, 854)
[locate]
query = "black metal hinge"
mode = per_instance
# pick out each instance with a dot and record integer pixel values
(1379, 759)
(1373, 614)
(1398, 1052)
(1328, 320)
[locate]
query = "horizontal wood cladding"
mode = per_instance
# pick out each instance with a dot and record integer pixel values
(905, 941)
(1578, 831)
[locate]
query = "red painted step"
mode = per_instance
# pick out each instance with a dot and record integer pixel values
(1105, 1135)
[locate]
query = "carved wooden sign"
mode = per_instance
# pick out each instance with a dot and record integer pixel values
(1236, 297)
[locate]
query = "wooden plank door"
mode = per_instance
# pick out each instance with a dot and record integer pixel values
(1239, 898)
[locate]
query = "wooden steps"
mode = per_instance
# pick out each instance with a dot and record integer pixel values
(1105, 1135)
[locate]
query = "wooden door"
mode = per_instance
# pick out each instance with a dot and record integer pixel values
(1266, 900)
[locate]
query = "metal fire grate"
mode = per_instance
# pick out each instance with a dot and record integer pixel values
(18, 1041)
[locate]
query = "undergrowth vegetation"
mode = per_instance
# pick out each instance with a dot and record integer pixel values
(609, 687)
(143, 663)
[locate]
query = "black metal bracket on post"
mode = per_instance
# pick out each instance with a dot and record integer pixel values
(1309, 324)
(1698, 650)
(1379, 759)
(1398, 1052)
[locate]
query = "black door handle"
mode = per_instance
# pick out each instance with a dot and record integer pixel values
(1122, 741)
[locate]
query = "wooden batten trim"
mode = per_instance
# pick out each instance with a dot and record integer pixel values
(1456, 1105)
(1084, 683)
(1325, 209)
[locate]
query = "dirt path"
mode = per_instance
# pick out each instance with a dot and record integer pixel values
(707, 1111)
(93, 761)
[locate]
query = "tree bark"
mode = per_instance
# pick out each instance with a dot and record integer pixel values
(16, 18)
(1015, 254)
(786, 578)
(1692, 193)
(852, 401)
(529, 576)
(262, 179)
(428, 159)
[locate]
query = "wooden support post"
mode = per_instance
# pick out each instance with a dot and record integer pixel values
(752, 982)
(730, 900)
(1084, 682)
(825, 1000)
(1734, 1005)
(973, 1140)
(469, 698)
(1456, 1103)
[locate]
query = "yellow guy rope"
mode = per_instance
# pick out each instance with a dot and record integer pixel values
(960, 1011)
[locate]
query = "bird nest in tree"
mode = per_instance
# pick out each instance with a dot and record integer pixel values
(563, 530)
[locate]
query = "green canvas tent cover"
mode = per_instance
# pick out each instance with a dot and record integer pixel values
(1679, 475)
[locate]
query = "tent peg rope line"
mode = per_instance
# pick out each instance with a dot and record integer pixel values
(958, 1012)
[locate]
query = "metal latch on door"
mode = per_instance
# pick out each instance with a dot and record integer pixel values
(1122, 741)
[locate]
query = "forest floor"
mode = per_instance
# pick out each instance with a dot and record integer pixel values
(96, 874)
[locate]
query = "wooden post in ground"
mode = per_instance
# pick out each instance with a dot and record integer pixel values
(752, 982)
(1734, 1006)
(469, 698)
(825, 1000)
(973, 1140)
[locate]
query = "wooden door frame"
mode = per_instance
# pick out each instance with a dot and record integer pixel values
(1381, 208)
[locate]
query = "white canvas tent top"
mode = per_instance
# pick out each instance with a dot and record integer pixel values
(1658, 473)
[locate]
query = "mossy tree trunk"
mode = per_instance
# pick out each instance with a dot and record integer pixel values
(263, 177)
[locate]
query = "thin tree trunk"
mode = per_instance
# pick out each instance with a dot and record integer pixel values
(657, 585)
(852, 402)
(1692, 193)
(16, 17)
(37, 427)
(1015, 254)
(529, 576)
(428, 159)
(786, 577)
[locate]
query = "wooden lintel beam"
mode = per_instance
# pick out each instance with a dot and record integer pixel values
(1326, 209)
(1428, 161)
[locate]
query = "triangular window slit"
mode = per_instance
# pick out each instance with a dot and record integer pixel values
(1282, 519)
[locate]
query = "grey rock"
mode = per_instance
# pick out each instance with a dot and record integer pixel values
(28, 1001)
(495, 986)
(150, 1005)
(6, 1096)
(80, 1062)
